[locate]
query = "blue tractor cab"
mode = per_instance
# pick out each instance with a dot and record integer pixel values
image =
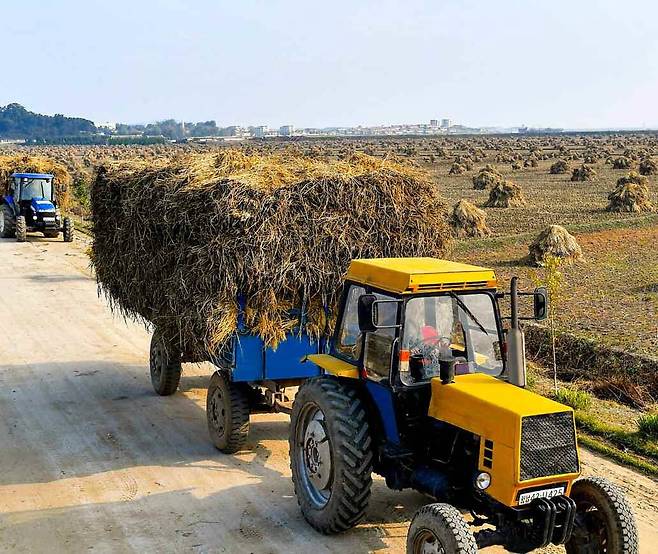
(31, 205)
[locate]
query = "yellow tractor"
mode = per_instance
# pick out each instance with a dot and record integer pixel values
(423, 385)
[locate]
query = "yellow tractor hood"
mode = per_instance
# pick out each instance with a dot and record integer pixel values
(487, 406)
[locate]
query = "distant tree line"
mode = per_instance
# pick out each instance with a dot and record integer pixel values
(18, 123)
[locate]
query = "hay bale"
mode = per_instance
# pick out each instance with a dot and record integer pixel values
(631, 195)
(457, 169)
(583, 173)
(648, 167)
(176, 241)
(487, 177)
(38, 164)
(468, 220)
(505, 194)
(622, 162)
(516, 165)
(561, 166)
(556, 241)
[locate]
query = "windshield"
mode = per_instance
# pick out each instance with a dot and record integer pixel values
(454, 328)
(36, 188)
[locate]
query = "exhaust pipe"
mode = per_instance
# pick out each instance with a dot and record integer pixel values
(516, 365)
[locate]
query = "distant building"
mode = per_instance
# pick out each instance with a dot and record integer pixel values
(445, 123)
(233, 131)
(106, 125)
(434, 122)
(286, 130)
(261, 131)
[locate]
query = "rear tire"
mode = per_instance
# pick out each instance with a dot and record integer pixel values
(165, 366)
(68, 229)
(604, 519)
(7, 222)
(21, 229)
(227, 412)
(330, 454)
(442, 528)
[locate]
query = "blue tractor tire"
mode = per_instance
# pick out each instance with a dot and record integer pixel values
(21, 229)
(7, 222)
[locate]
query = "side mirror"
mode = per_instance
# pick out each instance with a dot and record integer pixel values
(367, 313)
(541, 303)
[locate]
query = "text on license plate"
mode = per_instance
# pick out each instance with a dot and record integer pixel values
(49, 219)
(527, 497)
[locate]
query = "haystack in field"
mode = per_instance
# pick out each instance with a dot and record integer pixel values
(176, 241)
(486, 178)
(559, 167)
(37, 164)
(468, 220)
(648, 166)
(556, 241)
(505, 194)
(622, 162)
(583, 173)
(630, 195)
(457, 169)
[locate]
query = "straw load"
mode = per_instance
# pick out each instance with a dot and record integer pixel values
(488, 177)
(176, 242)
(37, 164)
(558, 167)
(630, 195)
(505, 194)
(457, 169)
(468, 220)
(555, 240)
(583, 173)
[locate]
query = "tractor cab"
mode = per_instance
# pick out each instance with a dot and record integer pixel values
(32, 205)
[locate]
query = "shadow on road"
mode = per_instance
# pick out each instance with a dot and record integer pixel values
(99, 424)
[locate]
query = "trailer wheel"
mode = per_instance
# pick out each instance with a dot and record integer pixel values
(440, 528)
(7, 223)
(330, 454)
(227, 411)
(21, 229)
(604, 519)
(68, 229)
(165, 366)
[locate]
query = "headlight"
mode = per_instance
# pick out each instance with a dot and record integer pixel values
(483, 480)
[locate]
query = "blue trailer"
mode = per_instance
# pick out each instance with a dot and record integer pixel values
(250, 377)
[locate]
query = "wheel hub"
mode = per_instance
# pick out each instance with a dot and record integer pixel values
(317, 455)
(217, 411)
(428, 543)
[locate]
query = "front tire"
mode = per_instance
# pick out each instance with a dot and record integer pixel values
(68, 229)
(440, 528)
(165, 366)
(21, 229)
(330, 454)
(227, 412)
(604, 519)
(7, 222)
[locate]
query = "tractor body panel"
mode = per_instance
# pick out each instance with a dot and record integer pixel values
(253, 361)
(418, 275)
(526, 440)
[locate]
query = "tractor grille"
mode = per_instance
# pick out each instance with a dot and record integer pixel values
(548, 445)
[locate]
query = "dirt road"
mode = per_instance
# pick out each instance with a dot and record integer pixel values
(91, 458)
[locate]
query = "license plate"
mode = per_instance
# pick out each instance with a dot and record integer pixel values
(49, 219)
(527, 497)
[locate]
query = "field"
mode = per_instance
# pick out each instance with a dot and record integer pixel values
(606, 327)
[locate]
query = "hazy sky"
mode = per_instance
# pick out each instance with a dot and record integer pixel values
(311, 63)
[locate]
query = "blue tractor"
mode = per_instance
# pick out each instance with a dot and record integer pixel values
(31, 204)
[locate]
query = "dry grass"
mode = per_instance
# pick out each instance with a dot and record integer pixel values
(631, 195)
(505, 194)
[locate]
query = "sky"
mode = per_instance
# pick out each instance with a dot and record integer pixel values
(570, 64)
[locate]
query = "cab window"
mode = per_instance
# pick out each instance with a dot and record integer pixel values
(349, 336)
(379, 343)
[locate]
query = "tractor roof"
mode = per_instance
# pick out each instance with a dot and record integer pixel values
(33, 175)
(418, 275)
